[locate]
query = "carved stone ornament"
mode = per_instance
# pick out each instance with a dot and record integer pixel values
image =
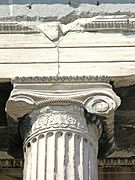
(60, 124)
(101, 105)
(97, 98)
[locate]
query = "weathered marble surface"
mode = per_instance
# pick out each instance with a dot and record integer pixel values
(61, 126)
(66, 12)
(124, 124)
(63, 10)
(63, 148)
(55, 49)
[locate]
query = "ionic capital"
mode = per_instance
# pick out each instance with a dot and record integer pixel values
(40, 97)
(96, 97)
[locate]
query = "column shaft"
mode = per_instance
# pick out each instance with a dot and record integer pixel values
(65, 149)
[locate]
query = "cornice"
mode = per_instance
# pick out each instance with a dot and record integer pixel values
(109, 162)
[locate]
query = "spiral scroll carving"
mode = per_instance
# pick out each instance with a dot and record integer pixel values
(101, 105)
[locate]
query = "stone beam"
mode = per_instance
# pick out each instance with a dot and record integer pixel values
(62, 126)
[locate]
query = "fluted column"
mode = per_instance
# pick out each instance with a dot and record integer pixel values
(58, 144)
(60, 127)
